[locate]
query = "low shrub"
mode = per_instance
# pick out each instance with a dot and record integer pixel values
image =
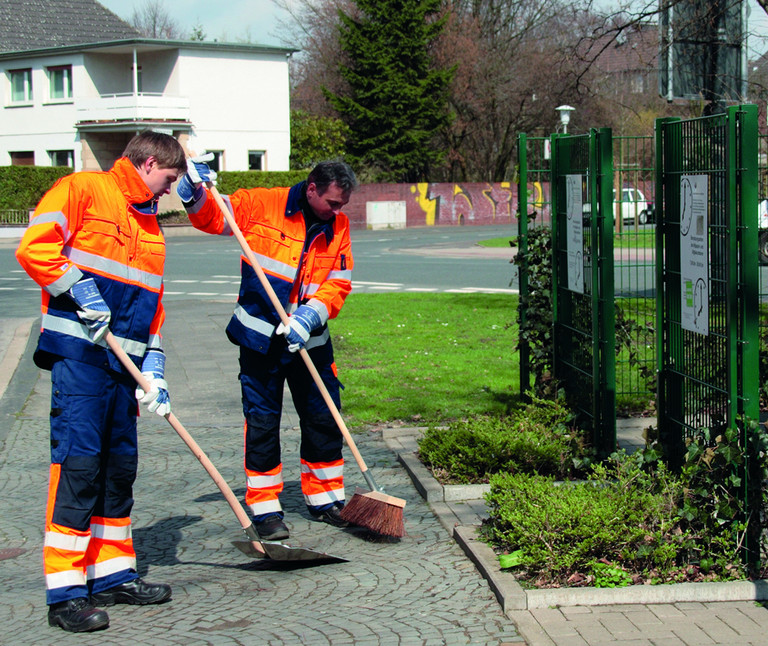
(622, 525)
(537, 439)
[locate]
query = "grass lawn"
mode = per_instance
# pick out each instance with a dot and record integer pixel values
(628, 239)
(423, 358)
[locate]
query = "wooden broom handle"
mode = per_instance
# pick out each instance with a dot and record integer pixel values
(286, 321)
(234, 503)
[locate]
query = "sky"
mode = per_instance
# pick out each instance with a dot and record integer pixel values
(223, 20)
(257, 21)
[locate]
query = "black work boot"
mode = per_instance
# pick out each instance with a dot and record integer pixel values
(271, 528)
(332, 516)
(135, 593)
(77, 616)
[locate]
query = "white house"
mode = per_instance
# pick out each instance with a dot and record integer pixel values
(77, 83)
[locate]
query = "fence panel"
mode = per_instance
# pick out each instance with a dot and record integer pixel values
(707, 275)
(583, 280)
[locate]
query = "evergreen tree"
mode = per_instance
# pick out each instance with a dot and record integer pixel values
(397, 100)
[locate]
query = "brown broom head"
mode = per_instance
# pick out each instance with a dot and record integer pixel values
(377, 512)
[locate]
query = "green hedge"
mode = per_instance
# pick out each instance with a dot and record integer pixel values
(21, 187)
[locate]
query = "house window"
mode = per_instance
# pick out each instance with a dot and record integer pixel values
(218, 160)
(637, 83)
(60, 82)
(21, 86)
(62, 158)
(24, 158)
(255, 160)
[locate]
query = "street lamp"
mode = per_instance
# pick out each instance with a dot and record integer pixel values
(565, 116)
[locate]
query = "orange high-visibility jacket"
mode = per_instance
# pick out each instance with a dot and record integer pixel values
(302, 266)
(103, 225)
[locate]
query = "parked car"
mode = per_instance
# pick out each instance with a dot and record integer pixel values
(634, 205)
(762, 224)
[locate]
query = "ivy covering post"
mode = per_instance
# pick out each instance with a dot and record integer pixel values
(397, 101)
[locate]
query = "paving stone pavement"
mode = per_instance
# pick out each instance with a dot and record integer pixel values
(419, 590)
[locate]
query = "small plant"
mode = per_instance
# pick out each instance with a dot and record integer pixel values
(608, 575)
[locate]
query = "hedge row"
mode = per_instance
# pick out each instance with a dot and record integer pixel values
(21, 187)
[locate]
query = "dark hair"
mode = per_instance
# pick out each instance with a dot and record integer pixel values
(164, 148)
(328, 172)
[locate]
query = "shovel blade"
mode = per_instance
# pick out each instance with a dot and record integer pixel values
(281, 552)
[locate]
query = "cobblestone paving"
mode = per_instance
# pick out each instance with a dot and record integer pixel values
(419, 590)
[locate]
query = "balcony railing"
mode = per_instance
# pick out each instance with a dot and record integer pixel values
(132, 107)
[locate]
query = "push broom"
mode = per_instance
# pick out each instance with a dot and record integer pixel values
(254, 546)
(373, 509)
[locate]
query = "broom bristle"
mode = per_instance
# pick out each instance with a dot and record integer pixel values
(375, 515)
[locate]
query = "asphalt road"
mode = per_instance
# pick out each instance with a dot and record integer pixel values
(207, 267)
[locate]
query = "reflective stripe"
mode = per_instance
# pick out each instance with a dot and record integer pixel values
(65, 281)
(155, 342)
(265, 507)
(114, 268)
(111, 532)
(71, 542)
(52, 216)
(78, 330)
(196, 206)
(263, 481)
(325, 473)
(319, 499)
(282, 269)
(341, 274)
(252, 322)
(65, 326)
(317, 341)
(110, 566)
(64, 579)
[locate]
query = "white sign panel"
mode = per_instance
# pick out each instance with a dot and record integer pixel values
(575, 232)
(694, 253)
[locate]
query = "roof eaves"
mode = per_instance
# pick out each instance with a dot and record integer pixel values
(160, 43)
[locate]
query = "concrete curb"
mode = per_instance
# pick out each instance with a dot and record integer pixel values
(512, 596)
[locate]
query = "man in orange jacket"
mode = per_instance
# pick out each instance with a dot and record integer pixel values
(301, 240)
(96, 249)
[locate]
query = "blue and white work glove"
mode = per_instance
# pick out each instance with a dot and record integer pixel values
(190, 187)
(157, 399)
(300, 325)
(94, 312)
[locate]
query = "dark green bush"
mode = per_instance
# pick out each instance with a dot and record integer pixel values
(622, 525)
(534, 440)
(21, 187)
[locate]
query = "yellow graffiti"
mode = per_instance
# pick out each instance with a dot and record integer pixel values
(538, 192)
(422, 199)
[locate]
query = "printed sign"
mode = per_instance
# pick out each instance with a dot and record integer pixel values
(694, 253)
(574, 206)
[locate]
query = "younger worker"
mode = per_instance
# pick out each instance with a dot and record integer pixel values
(301, 240)
(95, 247)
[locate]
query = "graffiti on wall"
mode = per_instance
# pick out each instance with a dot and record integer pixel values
(451, 203)
(473, 203)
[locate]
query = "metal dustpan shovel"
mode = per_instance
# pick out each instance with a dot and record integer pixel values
(254, 546)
